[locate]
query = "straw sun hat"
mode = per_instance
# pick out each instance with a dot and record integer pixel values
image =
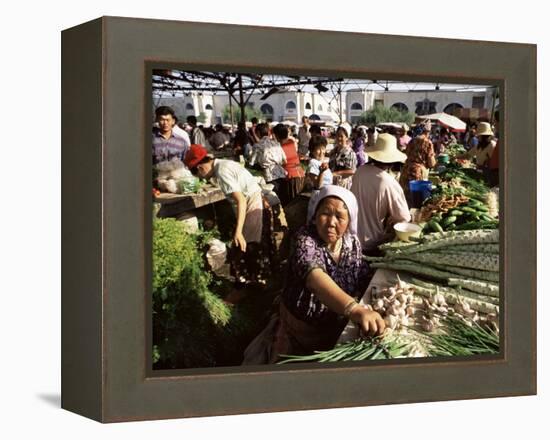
(484, 129)
(385, 150)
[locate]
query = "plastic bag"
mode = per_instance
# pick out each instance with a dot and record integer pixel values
(189, 184)
(216, 254)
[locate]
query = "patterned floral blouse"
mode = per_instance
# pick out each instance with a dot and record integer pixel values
(420, 157)
(310, 252)
(344, 159)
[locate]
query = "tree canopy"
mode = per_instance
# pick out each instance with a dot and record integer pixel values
(379, 114)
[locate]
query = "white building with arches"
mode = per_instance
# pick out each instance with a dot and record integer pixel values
(293, 105)
(420, 102)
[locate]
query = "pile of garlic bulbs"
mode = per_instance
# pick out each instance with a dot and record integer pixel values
(395, 305)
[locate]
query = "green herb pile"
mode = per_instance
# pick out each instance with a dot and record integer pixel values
(187, 317)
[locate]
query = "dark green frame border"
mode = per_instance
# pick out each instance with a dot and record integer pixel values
(107, 234)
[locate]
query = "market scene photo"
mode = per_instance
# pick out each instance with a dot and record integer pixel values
(303, 219)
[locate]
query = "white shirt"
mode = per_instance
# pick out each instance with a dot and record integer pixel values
(270, 157)
(314, 167)
(177, 131)
(303, 139)
(381, 203)
(232, 177)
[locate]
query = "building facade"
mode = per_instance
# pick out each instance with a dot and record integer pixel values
(292, 105)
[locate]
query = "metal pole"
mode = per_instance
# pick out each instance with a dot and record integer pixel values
(241, 98)
(230, 108)
(493, 106)
(340, 99)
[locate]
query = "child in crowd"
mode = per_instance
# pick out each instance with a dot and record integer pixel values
(318, 173)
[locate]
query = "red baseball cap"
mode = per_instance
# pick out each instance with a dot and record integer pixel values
(194, 155)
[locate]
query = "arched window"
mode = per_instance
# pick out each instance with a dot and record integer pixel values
(329, 108)
(188, 106)
(290, 105)
(308, 106)
(451, 108)
(208, 107)
(319, 108)
(266, 109)
(425, 107)
(356, 106)
(400, 106)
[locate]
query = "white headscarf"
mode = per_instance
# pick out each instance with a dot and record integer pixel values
(343, 194)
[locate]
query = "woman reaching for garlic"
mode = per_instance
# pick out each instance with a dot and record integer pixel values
(326, 275)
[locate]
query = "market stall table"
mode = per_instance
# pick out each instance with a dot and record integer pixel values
(174, 205)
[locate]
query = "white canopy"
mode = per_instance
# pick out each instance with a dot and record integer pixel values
(446, 120)
(291, 123)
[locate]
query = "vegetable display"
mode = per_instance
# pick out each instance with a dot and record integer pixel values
(422, 320)
(450, 302)
(461, 200)
(463, 338)
(436, 253)
(463, 266)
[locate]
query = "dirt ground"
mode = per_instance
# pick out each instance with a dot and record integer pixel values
(256, 303)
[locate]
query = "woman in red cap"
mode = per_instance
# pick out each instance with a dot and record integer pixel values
(252, 248)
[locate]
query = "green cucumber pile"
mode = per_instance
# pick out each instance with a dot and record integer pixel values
(473, 214)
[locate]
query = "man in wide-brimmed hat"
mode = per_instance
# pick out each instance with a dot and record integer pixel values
(380, 198)
(483, 151)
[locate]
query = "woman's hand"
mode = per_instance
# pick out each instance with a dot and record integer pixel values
(370, 322)
(238, 240)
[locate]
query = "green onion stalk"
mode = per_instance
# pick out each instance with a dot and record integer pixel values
(370, 348)
(461, 338)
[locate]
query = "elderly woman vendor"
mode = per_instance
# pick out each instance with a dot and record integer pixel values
(251, 252)
(326, 276)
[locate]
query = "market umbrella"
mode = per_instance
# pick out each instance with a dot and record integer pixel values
(291, 123)
(446, 120)
(390, 124)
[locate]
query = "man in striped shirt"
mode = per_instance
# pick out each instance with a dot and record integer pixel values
(165, 144)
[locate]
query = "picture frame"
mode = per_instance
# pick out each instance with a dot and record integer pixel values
(106, 219)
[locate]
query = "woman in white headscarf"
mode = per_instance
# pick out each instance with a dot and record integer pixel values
(326, 276)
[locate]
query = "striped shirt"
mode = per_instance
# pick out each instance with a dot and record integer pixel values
(166, 149)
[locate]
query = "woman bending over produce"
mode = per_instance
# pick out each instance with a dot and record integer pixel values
(326, 276)
(252, 245)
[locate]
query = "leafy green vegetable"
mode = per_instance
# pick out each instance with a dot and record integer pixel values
(188, 319)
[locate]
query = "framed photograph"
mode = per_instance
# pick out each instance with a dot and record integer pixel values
(193, 202)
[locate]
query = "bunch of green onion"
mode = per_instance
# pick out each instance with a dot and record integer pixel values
(370, 348)
(462, 339)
